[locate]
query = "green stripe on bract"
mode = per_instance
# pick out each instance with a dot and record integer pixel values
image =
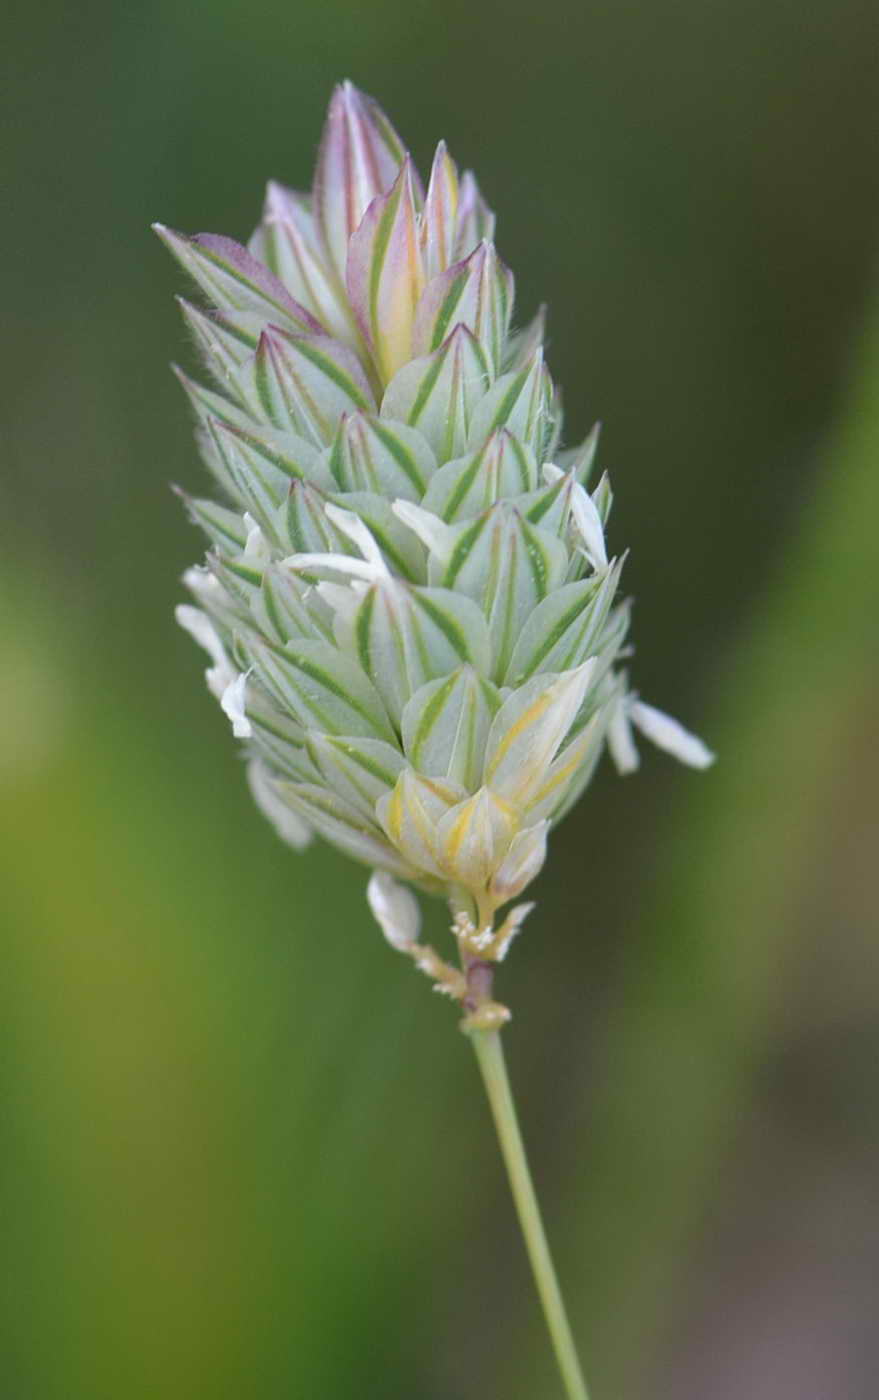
(364, 761)
(263, 389)
(244, 572)
(537, 559)
(230, 271)
(379, 252)
(432, 712)
(465, 481)
(259, 494)
(384, 542)
(213, 405)
(216, 520)
(282, 735)
(329, 803)
(278, 459)
(504, 623)
(548, 499)
(428, 384)
(508, 402)
(506, 309)
(398, 640)
(447, 625)
(446, 311)
(339, 765)
(555, 636)
(286, 610)
(472, 733)
(315, 673)
(329, 367)
(490, 693)
(399, 453)
(336, 464)
(389, 137)
(272, 610)
(237, 332)
(462, 550)
(364, 619)
(518, 449)
(393, 555)
(425, 659)
(302, 408)
(305, 506)
(270, 248)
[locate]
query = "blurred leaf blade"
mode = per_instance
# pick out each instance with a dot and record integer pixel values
(709, 960)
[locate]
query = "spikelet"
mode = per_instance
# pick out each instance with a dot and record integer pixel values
(411, 617)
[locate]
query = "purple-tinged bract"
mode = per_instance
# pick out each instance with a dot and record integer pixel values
(409, 608)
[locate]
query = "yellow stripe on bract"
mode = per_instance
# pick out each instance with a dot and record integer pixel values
(441, 790)
(530, 717)
(556, 780)
(460, 827)
(395, 815)
(578, 747)
(455, 838)
(421, 824)
(399, 808)
(425, 828)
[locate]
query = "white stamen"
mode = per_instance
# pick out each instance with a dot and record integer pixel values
(200, 627)
(201, 581)
(395, 910)
(360, 534)
(620, 740)
(433, 532)
(232, 704)
(342, 563)
(584, 513)
(668, 734)
(256, 548)
(588, 522)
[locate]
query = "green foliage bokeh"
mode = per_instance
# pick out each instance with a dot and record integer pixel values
(243, 1148)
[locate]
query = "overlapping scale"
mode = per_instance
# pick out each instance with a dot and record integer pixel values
(408, 604)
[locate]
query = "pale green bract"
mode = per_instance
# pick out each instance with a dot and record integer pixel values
(412, 620)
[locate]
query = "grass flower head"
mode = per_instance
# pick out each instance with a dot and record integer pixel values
(413, 623)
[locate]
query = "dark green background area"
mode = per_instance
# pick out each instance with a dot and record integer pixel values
(243, 1149)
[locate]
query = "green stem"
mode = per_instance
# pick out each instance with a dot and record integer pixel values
(490, 1055)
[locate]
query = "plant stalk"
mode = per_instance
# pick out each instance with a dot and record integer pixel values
(490, 1056)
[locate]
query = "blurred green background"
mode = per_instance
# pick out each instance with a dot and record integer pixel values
(244, 1152)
